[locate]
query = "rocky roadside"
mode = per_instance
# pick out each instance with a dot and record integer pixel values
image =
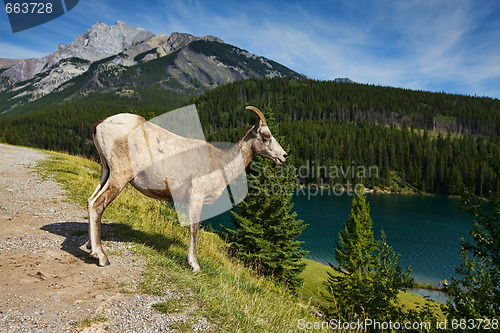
(48, 282)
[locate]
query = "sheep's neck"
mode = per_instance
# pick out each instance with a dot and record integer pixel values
(246, 146)
(232, 161)
(232, 157)
(246, 151)
(235, 159)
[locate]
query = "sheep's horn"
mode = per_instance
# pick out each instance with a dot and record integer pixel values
(258, 113)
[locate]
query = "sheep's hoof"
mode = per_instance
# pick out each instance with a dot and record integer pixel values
(89, 246)
(196, 267)
(102, 258)
(107, 263)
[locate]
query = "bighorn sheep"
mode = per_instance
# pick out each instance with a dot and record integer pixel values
(197, 182)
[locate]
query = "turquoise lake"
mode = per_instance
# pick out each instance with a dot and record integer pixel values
(425, 230)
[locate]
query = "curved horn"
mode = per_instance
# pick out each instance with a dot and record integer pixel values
(258, 113)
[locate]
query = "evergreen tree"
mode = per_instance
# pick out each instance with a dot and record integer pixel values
(476, 291)
(368, 276)
(265, 227)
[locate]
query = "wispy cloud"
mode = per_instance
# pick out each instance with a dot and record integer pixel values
(430, 45)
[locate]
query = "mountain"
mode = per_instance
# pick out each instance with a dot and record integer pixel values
(127, 60)
(98, 42)
(343, 80)
(4, 63)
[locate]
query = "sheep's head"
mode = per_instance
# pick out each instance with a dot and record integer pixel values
(264, 144)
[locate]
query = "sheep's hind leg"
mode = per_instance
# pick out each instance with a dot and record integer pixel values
(102, 183)
(192, 259)
(96, 208)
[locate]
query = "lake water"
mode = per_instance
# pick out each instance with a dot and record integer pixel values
(425, 230)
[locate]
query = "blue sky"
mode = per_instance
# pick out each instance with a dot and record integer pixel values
(451, 46)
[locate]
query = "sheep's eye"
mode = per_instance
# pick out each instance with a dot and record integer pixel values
(266, 136)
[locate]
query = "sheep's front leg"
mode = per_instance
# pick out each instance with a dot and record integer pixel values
(194, 225)
(192, 260)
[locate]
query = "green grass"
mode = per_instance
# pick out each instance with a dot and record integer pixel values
(314, 275)
(171, 306)
(228, 294)
(89, 321)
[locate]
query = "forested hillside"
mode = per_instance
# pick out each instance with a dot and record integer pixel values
(68, 127)
(418, 141)
(331, 101)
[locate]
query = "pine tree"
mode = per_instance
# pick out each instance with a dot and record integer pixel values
(368, 276)
(265, 227)
(476, 291)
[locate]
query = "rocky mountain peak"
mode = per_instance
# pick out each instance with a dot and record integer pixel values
(343, 80)
(178, 39)
(101, 40)
(98, 42)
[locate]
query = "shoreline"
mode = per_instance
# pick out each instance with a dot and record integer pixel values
(376, 190)
(416, 285)
(418, 289)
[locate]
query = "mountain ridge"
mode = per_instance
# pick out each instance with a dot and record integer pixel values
(85, 46)
(119, 50)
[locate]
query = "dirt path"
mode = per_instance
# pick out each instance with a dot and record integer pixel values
(48, 282)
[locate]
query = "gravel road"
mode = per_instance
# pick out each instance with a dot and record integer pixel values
(48, 282)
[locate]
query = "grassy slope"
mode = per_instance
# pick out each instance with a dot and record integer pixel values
(227, 293)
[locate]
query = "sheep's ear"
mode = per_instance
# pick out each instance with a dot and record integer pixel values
(258, 114)
(256, 128)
